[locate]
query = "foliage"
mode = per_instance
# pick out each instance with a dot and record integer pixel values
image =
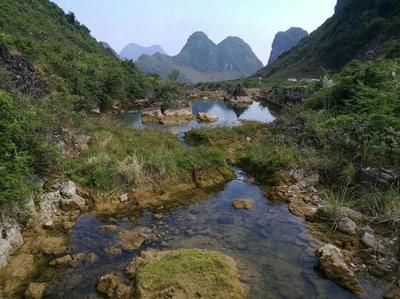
(357, 29)
(126, 158)
(68, 57)
(23, 150)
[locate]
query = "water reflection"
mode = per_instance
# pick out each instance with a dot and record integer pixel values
(228, 116)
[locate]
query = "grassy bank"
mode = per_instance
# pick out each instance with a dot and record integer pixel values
(341, 132)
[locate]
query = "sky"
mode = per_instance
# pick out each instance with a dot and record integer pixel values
(169, 23)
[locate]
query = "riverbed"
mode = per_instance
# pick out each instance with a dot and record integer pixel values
(274, 251)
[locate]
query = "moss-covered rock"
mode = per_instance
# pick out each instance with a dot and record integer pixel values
(185, 274)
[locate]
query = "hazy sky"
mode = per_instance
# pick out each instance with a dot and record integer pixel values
(170, 22)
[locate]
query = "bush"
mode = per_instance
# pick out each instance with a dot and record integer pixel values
(23, 152)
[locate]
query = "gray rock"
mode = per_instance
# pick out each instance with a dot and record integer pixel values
(347, 226)
(10, 237)
(352, 214)
(73, 203)
(368, 240)
(68, 189)
(49, 205)
(331, 262)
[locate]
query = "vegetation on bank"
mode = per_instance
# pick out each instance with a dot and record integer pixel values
(80, 75)
(341, 132)
(125, 158)
(194, 273)
(358, 29)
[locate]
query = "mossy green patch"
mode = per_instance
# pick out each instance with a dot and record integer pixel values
(188, 274)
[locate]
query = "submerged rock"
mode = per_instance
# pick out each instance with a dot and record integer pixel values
(131, 239)
(246, 204)
(112, 251)
(18, 272)
(62, 261)
(332, 264)
(190, 273)
(35, 290)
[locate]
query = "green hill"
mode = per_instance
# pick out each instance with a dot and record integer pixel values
(68, 57)
(359, 29)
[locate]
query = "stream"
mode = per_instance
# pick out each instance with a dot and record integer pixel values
(274, 250)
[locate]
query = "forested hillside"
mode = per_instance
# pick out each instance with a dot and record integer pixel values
(358, 30)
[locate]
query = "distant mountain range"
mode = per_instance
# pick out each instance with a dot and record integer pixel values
(366, 29)
(134, 51)
(285, 40)
(203, 60)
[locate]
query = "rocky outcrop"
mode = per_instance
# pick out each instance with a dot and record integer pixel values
(63, 197)
(281, 96)
(168, 116)
(332, 264)
(10, 238)
(111, 286)
(207, 117)
(285, 40)
(379, 177)
(185, 274)
(23, 73)
(239, 98)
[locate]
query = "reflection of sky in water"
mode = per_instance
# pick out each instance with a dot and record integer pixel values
(227, 117)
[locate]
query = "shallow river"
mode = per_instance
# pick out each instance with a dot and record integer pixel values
(273, 248)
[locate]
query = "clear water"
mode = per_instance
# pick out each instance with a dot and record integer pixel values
(274, 250)
(228, 116)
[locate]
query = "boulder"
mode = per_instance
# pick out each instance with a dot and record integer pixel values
(72, 203)
(189, 273)
(347, 226)
(10, 237)
(368, 239)
(332, 264)
(352, 214)
(49, 205)
(111, 286)
(68, 189)
(207, 117)
(245, 204)
(299, 208)
(305, 178)
(35, 290)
